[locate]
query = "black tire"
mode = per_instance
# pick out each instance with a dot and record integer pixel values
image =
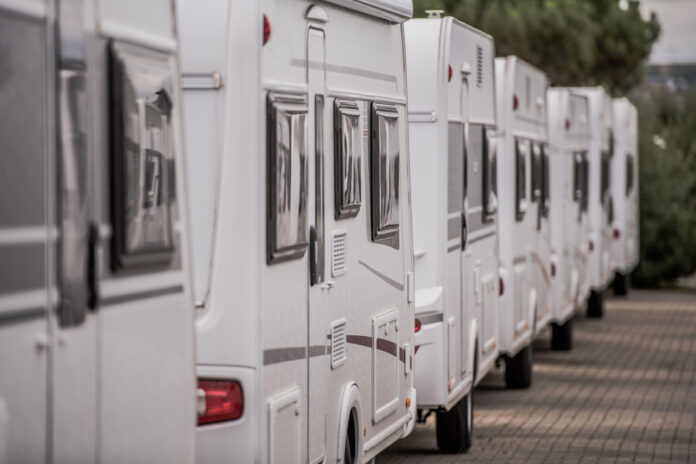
(595, 304)
(349, 451)
(620, 284)
(455, 427)
(562, 336)
(518, 369)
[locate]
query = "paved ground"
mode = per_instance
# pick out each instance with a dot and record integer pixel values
(625, 394)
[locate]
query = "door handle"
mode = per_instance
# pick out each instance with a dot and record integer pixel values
(465, 231)
(92, 267)
(313, 255)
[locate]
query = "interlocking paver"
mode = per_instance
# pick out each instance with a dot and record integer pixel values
(626, 393)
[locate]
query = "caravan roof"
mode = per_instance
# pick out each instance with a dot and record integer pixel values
(397, 11)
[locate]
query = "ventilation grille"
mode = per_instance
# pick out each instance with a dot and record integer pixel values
(338, 253)
(338, 343)
(479, 66)
(528, 91)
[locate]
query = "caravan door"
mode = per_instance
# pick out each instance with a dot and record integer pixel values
(468, 281)
(75, 322)
(319, 287)
(25, 131)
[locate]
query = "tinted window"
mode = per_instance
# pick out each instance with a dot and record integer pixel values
(629, 174)
(288, 165)
(521, 177)
(385, 157)
(347, 160)
(142, 156)
(490, 183)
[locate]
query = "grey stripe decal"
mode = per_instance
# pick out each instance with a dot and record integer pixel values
(293, 353)
(519, 259)
(22, 267)
(298, 62)
(430, 318)
(454, 248)
(128, 297)
(391, 282)
(318, 350)
(22, 315)
(279, 355)
(480, 237)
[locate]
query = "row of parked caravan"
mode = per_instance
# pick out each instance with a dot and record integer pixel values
(285, 231)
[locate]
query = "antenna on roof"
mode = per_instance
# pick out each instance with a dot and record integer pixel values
(434, 13)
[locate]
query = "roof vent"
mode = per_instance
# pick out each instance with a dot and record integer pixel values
(479, 66)
(528, 91)
(435, 13)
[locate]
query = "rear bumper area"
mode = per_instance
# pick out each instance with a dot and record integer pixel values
(233, 440)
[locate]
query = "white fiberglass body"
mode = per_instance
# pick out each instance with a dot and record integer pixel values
(599, 206)
(452, 139)
(96, 326)
(523, 203)
(568, 143)
(624, 187)
(301, 224)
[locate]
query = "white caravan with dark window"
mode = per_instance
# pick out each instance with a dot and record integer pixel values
(600, 208)
(451, 95)
(523, 208)
(624, 187)
(96, 327)
(568, 146)
(301, 227)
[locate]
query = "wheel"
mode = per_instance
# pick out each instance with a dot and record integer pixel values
(562, 336)
(620, 284)
(349, 453)
(595, 304)
(518, 369)
(454, 427)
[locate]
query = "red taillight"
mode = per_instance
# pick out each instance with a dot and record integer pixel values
(219, 400)
(515, 102)
(590, 245)
(266, 29)
(553, 270)
(567, 126)
(417, 326)
(501, 287)
(617, 234)
(449, 73)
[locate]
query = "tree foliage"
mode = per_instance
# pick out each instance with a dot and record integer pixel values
(667, 187)
(576, 42)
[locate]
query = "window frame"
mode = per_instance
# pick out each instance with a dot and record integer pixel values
(630, 174)
(489, 175)
(292, 104)
(347, 172)
(545, 185)
(385, 233)
(126, 194)
(520, 179)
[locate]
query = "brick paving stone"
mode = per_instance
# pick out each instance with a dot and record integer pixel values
(626, 393)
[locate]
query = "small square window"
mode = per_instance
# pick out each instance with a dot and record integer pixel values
(348, 156)
(385, 174)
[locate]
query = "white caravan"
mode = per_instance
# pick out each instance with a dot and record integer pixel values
(301, 227)
(600, 207)
(624, 189)
(451, 101)
(523, 207)
(96, 327)
(568, 145)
